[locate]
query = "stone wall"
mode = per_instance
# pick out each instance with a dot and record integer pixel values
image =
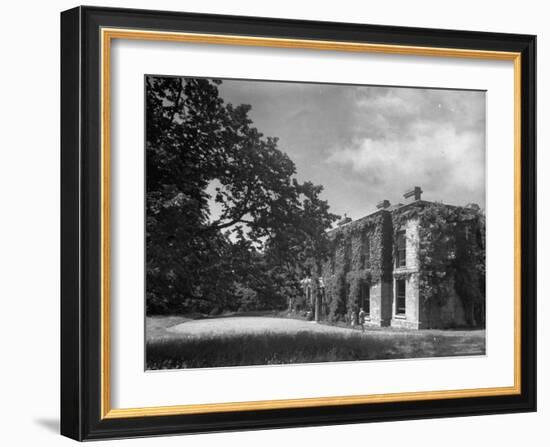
(380, 303)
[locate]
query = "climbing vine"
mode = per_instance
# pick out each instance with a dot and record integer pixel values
(361, 257)
(450, 257)
(336, 291)
(451, 253)
(356, 280)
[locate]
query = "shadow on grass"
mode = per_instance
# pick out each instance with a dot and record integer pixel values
(302, 347)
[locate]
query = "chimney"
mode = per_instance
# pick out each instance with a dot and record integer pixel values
(345, 220)
(413, 194)
(383, 204)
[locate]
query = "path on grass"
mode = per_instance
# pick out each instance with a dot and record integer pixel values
(253, 325)
(260, 325)
(431, 342)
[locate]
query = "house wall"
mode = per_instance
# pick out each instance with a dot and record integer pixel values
(374, 264)
(408, 273)
(445, 313)
(381, 295)
(410, 319)
(413, 244)
(362, 252)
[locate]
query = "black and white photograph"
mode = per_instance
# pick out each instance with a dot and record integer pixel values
(291, 222)
(275, 223)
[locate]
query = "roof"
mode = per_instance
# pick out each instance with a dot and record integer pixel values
(390, 209)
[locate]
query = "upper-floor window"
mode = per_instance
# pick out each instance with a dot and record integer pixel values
(401, 260)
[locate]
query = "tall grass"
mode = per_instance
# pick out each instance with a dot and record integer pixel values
(302, 347)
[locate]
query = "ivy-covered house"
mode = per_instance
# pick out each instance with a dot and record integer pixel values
(416, 264)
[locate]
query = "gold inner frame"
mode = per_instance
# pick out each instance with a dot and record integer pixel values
(107, 35)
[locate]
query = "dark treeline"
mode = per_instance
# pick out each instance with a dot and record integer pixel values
(204, 154)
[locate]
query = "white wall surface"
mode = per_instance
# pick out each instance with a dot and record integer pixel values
(29, 223)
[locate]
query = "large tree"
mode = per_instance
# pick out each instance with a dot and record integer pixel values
(201, 154)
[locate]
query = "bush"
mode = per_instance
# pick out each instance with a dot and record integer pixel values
(246, 298)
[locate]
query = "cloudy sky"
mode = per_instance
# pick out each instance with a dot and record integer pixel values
(367, 143)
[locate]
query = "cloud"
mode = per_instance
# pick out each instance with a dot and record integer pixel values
(405, 137)
(367, 143)
(449, 166)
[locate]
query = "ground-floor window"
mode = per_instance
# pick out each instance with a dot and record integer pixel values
(365, 298)
(401, 301)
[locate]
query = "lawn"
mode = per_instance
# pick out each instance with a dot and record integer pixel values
(179, 342)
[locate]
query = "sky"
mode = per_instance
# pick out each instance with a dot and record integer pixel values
(369, 143)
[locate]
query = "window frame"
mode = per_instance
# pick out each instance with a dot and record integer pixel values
(399, 297)
(401, 252)
(365, 299)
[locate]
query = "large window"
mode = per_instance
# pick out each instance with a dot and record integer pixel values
(365, 298)
(401, 260)
(401, 303)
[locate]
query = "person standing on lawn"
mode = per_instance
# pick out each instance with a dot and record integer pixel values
(362, 319)
(352, 319)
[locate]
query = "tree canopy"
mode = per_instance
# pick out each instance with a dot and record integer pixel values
(227, 220)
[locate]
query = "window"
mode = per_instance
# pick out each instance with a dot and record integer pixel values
(401, 303)
(401, 260)
(365, 298)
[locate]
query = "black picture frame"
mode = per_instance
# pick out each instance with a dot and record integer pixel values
(81, 387)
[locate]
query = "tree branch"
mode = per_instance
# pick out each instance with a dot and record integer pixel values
(176, 103)
(220, 226)
(217, 227)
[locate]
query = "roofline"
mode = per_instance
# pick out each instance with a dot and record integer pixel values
(398, 208)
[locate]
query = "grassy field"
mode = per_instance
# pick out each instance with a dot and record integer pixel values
(179, 342)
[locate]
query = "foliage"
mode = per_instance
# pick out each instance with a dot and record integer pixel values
(338, 296)
(202, 153)
(361, 254)
(451, 254)
(356, 279)
(367, 245)
(451, 257)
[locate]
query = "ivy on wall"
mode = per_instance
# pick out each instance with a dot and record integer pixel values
(451, 254)
(361, 257)
(337, 294)
(356, 280)
(450, 257)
